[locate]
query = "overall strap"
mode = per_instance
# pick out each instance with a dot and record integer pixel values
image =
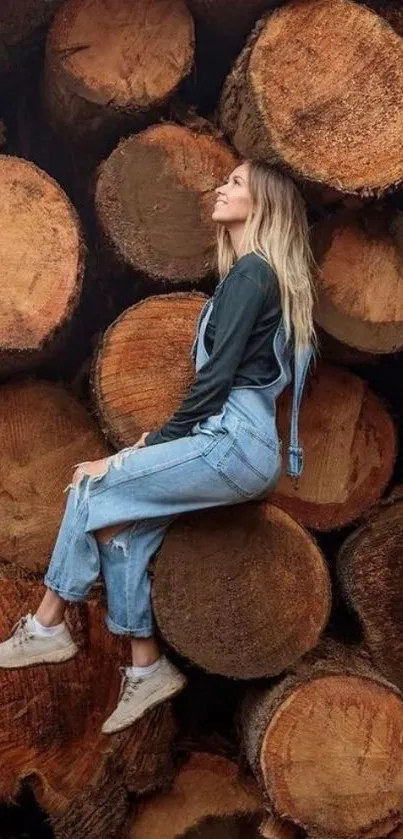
(302, 358)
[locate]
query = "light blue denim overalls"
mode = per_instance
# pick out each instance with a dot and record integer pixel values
(229, 458)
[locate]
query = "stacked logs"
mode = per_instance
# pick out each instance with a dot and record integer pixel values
(249, 605)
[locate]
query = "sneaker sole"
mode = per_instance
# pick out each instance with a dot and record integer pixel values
(42, 658)
(161, 696)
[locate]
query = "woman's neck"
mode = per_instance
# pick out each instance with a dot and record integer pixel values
(236, 233)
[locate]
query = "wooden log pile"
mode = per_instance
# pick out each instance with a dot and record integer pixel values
(117, 122)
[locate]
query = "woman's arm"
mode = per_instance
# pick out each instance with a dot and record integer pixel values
(236, 310)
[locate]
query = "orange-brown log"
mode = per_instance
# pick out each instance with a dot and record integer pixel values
(50, 727)
(21, 25)
(243, 592)
(316, 90)
(208, 798)
(143, 368)
(350, 447)
(111, 65)
(155, 196)
(360, 301)
(326, 743)
(370, 568)
(44, 432)
(42, 259)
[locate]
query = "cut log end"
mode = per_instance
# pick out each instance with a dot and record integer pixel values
(243, 595)
(51, 726)
(361, 255)
(141, 373)
(347, 733)
(370, 569)
(154, 200)
(334, 136)
(346, 432)
(208, 799)
(44, 432)
(117, 58)
(41, 254)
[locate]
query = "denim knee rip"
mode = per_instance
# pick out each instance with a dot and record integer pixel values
(115, 460)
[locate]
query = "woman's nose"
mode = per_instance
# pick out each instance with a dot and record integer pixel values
(219, 190)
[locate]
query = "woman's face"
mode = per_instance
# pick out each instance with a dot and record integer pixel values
(233, 201)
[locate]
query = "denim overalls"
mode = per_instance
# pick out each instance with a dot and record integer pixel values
(229, 458)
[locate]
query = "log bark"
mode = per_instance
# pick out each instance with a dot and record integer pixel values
(42, 259)
(44, 432)
(242, 593)
(209, 797)
(154, 200)
(110, 65)
(350, 448)
(143, 368)
(22, 25)
(289, 101)
(370, 568)
(326, 745)
(360, 301)
(50, 728)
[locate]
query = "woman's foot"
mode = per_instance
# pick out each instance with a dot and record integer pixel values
(27, 646)
(138, 695)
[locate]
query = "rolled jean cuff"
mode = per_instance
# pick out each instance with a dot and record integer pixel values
(70, 596)
(142, 632)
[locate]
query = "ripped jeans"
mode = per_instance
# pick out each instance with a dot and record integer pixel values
(149, 487)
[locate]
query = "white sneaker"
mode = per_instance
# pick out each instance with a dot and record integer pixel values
(25, 647)
(140, 695)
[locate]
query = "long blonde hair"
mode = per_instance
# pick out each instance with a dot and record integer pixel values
(277, 230)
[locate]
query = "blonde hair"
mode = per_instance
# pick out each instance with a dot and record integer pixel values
(277, 230)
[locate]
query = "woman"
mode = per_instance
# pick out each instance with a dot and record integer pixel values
(221, 447)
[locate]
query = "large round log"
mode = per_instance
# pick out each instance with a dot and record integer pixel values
(154, 199)
(208, 798)
(143, 368)
(42, 259)
(326, 743)
(50, 727)
(109, 65)
(241, 593)
(44, 432)
(360, 301)
(315, 90)
(350, 448)
(370, 568)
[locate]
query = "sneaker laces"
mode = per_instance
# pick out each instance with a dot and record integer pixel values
(21, 632)
(128, 685)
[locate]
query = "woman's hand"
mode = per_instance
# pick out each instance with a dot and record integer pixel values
(141, 441)
(94, 468)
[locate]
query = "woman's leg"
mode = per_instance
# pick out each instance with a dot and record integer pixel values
(144, 651)
(51, 609)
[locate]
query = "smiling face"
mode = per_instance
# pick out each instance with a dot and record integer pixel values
(233, 199)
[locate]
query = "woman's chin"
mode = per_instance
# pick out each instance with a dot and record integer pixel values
(218, 216)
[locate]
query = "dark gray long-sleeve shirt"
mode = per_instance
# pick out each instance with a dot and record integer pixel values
(239, 339)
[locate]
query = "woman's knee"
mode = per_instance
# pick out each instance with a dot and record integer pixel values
(105, 534)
